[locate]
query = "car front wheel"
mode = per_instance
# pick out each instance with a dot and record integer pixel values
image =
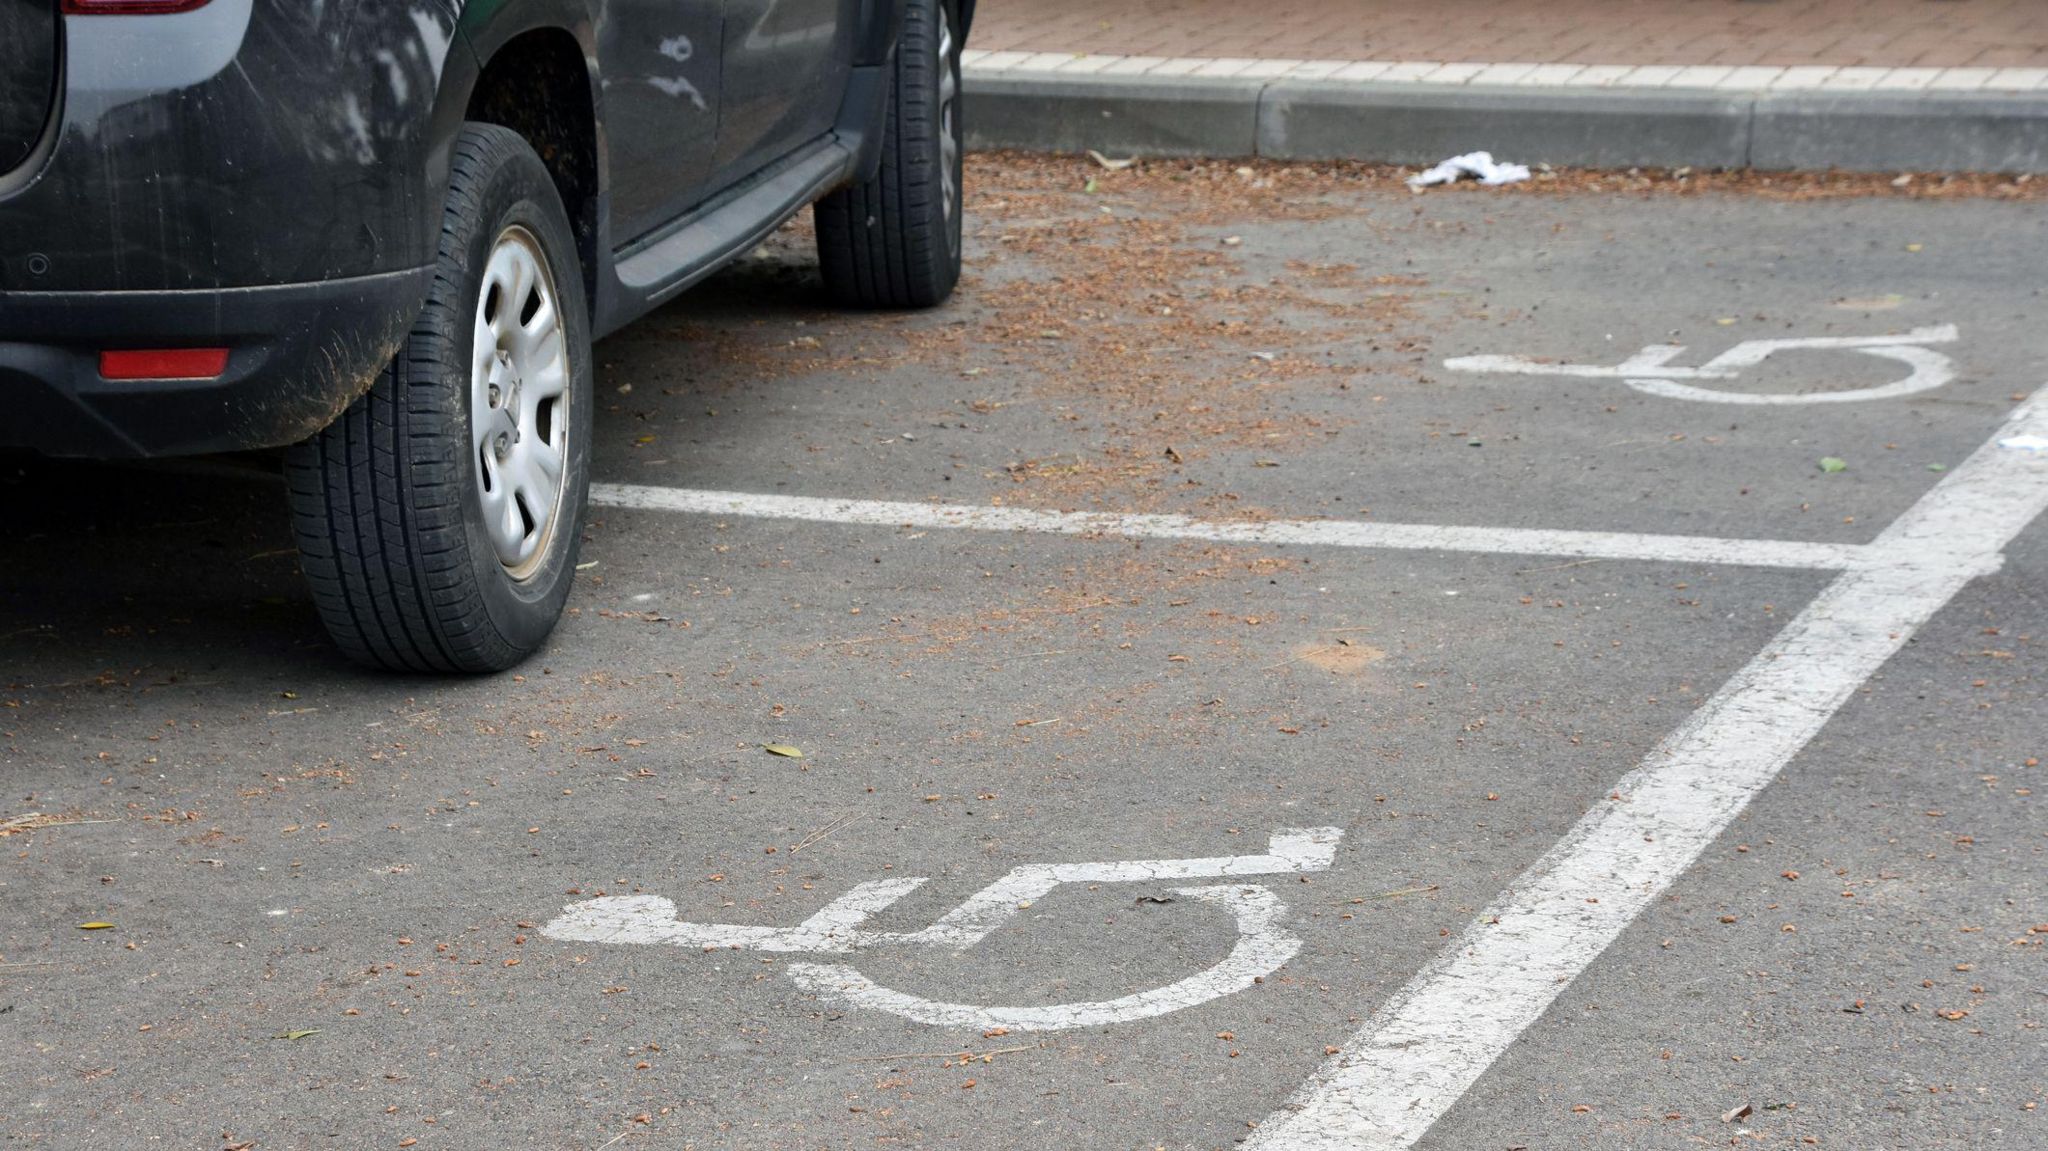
(438, 518)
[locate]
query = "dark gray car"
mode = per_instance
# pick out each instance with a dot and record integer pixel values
(384, 235)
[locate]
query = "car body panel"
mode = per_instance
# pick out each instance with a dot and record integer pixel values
(779, 55)
(169, 168)
(28, 76)
(269, 177)
(661, 84)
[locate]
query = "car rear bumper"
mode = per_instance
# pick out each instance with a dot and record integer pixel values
(298, 355)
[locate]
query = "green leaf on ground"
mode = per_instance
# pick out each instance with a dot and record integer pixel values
(1832, 464)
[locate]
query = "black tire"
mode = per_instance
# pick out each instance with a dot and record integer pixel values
(894, 241)
(386, 502)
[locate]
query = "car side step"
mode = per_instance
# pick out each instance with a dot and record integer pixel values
(656, 271)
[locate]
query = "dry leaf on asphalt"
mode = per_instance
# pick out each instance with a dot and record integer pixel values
(782, 749)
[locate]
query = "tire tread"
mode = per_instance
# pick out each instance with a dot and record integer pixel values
(376, 497)
(885, 242)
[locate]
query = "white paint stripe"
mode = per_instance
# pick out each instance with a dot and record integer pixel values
(1803, 78)
(1750, 353)
(839, 926)
(1931, 370)
(1295, 850)
(1311, 533)
(652, 919)
(1262, 946)
(1440, 1032)
(841, 919)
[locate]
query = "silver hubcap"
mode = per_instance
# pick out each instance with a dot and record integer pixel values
(518, 401)
(949, 110)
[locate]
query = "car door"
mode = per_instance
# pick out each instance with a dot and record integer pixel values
(661, 65)
(786, 64)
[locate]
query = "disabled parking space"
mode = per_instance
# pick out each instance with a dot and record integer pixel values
(589, 781)
(1112, 831)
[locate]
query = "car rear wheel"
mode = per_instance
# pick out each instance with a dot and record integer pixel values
(438, 518)
(894, 241)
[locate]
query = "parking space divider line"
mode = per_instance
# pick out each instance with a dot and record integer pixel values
(1305, 532)
(1433, 1039)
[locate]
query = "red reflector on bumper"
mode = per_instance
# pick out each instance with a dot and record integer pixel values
(164, 364)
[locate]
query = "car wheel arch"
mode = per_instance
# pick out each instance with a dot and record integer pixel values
(499, 40)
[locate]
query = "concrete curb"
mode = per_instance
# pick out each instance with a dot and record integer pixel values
(1409, 123)
(1155, 116)
(1931, 132)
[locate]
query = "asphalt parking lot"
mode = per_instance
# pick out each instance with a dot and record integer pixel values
(1471, 753)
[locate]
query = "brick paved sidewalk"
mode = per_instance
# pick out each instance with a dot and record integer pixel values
(1788, 33)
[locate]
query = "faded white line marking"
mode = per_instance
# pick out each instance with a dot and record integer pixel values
(1650, 370)
(1262, 946)
(1313, 533)
(1435, 1037)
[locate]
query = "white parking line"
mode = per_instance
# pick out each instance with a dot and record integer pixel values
(1324, 533)
(1440, 1032)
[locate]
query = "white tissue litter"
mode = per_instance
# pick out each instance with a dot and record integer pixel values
(2025, 443)
(1478, 165)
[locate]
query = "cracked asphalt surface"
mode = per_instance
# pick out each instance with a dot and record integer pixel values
(286, 846)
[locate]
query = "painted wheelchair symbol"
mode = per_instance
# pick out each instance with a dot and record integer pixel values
(1651, 370)
(1263, 943)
